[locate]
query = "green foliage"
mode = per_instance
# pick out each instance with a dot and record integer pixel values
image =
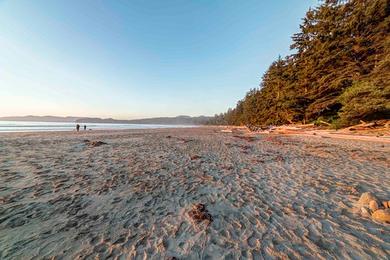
(364, 101)
(340, 70)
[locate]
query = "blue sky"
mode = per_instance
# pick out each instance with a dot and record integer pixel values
(133, 59)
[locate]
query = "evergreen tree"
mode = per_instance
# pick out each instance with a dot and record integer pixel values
(340, 69)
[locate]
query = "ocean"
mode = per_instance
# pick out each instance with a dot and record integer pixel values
(24, 126)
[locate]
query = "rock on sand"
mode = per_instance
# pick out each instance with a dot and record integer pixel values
(366, 198)
(381, 215)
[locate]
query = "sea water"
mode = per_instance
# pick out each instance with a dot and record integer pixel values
(24, 126)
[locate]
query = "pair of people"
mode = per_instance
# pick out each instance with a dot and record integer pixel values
(78, 127)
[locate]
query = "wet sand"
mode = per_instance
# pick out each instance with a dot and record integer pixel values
(268, 196)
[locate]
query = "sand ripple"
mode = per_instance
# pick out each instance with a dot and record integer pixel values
(269, 196)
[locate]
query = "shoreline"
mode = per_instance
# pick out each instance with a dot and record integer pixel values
(91, 131)
(319, 133)
(69, 130)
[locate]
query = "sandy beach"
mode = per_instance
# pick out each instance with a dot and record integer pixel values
(64, 195)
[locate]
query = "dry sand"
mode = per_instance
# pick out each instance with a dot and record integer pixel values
(269, 196)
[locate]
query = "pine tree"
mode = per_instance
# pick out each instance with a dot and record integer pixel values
(340, 69)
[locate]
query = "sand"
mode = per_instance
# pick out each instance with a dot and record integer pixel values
(268, 196)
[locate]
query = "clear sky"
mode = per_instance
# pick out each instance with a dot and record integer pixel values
(133, 59)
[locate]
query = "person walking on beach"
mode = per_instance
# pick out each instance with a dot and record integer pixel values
(77, 127)
(85, 127)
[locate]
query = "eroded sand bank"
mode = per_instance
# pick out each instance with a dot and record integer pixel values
(269, 196)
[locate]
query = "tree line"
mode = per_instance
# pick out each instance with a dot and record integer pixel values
(339, 72)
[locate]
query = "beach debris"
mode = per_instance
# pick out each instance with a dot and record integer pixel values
(184, 140)
(381, 215)
(97, 143)
(246, 138)
(226, 131)
(243, 147)
(198, 213)
(93, 143)
(4, 200)
(180, 139)
(195, 157)
(325, 123)
(227, 167)
(364, 125)
(253, 128)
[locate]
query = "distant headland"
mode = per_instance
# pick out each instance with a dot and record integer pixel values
(178, 120)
